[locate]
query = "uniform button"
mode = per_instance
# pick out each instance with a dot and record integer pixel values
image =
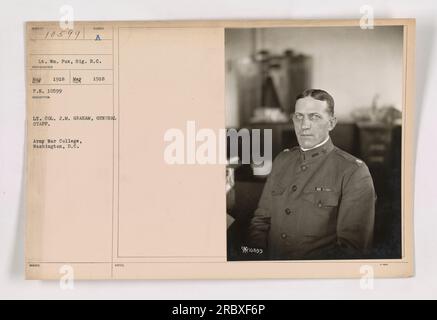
(294, 188)
(319, 204)
(283, 235)
(288, 211)
(304, 168)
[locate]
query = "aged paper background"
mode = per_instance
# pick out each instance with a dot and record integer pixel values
(109, 206)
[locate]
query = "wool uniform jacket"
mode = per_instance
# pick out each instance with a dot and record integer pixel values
(316, 204)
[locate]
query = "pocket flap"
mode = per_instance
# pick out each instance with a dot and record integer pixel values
(277, 190)
(322, 198)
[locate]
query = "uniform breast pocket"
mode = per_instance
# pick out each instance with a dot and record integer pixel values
(320, 216)
(278, 196)
(277, 190)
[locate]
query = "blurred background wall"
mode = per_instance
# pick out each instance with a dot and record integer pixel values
(352, 64)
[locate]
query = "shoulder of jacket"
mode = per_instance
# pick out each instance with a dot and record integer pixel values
(347, 157)
(287, 154)
(291, 150)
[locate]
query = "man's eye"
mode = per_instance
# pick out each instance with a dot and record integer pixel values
(315, 117)
(298, 116)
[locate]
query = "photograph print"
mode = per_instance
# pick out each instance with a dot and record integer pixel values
(314, 133)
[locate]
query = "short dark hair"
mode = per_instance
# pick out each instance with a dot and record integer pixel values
(321, 95)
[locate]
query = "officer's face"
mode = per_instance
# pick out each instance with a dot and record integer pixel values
(312, 122)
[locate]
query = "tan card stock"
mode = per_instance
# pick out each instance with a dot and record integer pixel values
(104, 102)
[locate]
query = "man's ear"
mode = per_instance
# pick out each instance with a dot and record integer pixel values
(332, 123)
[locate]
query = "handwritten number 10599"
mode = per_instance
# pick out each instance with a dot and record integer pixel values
(62, 34)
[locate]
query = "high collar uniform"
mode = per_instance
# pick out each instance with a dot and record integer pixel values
(316, 204)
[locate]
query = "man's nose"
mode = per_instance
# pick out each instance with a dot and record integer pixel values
(306, 123)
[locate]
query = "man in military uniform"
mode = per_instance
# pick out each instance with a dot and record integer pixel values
(318, 201)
